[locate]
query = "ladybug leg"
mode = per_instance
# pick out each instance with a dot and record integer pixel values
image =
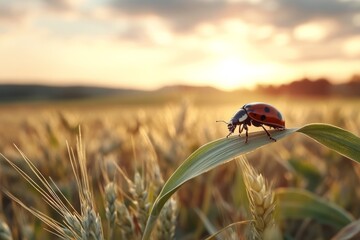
(241, 129)
(246, 133)
(268, 133)
(229, 134)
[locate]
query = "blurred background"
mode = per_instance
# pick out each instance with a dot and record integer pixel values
(146, 81)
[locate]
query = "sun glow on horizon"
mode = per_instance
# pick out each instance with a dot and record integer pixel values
(232, 72)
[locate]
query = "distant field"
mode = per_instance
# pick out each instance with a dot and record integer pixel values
(137, 130)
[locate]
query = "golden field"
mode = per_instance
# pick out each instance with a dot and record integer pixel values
(147, 137)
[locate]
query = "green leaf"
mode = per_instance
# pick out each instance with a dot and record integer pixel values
(223, 150)
(335, 138)
(297, 203)
(308, 171)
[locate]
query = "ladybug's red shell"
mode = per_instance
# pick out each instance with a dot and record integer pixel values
(265, 114)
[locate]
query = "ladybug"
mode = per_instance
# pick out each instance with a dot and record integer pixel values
(257, 114)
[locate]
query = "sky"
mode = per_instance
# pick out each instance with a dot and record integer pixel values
(151, 43)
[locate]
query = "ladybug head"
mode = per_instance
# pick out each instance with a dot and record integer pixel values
(231, 126)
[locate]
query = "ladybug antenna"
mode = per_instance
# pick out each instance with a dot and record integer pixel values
(222, 121)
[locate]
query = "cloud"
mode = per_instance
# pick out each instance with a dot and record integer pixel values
(185, 15)
(181, 15)
(62, 5)
(12, 13)
(284, 30)
(17, 11)
(299, 11)
(57, 5)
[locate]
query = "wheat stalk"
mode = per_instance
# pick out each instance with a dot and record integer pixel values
(261, 200)
(90, 219)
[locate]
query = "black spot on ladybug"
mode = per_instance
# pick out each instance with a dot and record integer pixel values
(267, 109)
(263, 117)
(279, 115)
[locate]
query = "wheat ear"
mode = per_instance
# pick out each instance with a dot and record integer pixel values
(261, 200)
(166, 225)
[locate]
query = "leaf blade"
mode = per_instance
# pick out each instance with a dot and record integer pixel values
(298, 203)
(335, 138)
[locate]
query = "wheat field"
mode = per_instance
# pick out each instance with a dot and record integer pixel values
(131, 149)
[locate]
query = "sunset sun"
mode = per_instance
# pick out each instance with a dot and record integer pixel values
(232, 72)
